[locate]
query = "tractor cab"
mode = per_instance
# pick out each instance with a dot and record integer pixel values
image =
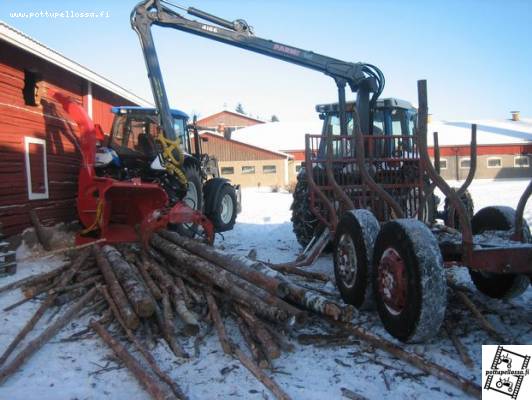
(391, 117)
(135, 129)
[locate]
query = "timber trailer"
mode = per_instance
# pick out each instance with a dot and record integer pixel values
(367, 186)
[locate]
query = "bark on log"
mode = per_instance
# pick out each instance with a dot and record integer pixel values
(140, 347)
(146, 380)
(253, 346)
(126, 311)
(142, 267)
(48, 333)
(304, 297)
(191, 325)
(218, 324)
(317, 276)
(219, 277)
(182, 288)
(87, 273)
(165, 321)
(134, 288)
(261, 334)
(77, 264)
(229, 262)
(417, 361)
(43, 236)
(458, 345)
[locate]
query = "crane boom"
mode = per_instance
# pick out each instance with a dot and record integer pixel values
(362, 78)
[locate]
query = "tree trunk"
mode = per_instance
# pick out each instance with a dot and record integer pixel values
(129, 316)
(270, 348)
(43, 236)
(253, 346)
(136, 292)
(218, 324)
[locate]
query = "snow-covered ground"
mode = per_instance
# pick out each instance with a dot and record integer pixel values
(71, 370)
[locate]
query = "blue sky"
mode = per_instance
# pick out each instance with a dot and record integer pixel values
(476, 55)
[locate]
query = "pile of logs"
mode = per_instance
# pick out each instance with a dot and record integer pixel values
(178, 288)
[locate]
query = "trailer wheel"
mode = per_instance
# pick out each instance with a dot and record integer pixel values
(193, 199)
(225, 209)
(409, 280)
(353, 251)
(304, 223)
(498, 286)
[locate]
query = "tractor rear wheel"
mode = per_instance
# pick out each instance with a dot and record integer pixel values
(353, 250)
(498, 286)
(304, 223)
(467, 200)
(409, 280)
(193, 199)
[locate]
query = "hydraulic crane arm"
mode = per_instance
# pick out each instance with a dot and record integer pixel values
(362, 78)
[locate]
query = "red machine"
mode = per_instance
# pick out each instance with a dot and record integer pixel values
(120, 211)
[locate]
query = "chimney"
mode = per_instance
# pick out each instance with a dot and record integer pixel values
(515, 115)
(227, 133)
(429, 118)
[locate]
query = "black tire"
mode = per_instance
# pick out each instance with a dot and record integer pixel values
(425, 290)
(467, 200)
(498, 286)
(304, 223)
(225, 208)
(353, 251)
(194, 184)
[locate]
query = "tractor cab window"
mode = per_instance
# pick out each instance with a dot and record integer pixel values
(378, 123)
(340, 146)
(181, 132)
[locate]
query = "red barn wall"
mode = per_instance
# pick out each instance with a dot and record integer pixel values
(45, 121)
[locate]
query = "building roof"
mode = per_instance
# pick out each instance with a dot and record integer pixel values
(27, 43)
(234, 113)
(278, 136)
(489, 132)
(277, 153)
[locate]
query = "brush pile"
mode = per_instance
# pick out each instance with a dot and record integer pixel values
(178, 288)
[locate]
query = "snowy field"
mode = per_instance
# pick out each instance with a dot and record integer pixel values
(73, 370)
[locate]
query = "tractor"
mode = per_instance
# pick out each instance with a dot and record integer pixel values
(367, 186)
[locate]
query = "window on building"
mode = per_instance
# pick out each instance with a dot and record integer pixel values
(228, 170)
(269, 169)
(465, 163)
(31, 88)
(443, 163)
(494, 162)
(521, 162)
(36, 168)
(248, 169)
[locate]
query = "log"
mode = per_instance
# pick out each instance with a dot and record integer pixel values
(253, 346)
(155, 291)
(78, 263)
(48, 333)
(218, 324)
(33, 280)
(231, 349)
(182, 288)
(191, 325)
(417, 361)
(461, 350)
(228, 262)
(146, 380)
(219, 277)
(87, 273)
(134, 288)
(262, 335)
(483, 322)
(140, 347)
(70, 249)
(43, 236)
(126, 311)
(304, 297)
(287, 269)
(165, 320)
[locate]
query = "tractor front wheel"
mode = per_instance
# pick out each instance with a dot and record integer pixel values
(409, 280)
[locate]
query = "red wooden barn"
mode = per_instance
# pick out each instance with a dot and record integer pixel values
(38, 158)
